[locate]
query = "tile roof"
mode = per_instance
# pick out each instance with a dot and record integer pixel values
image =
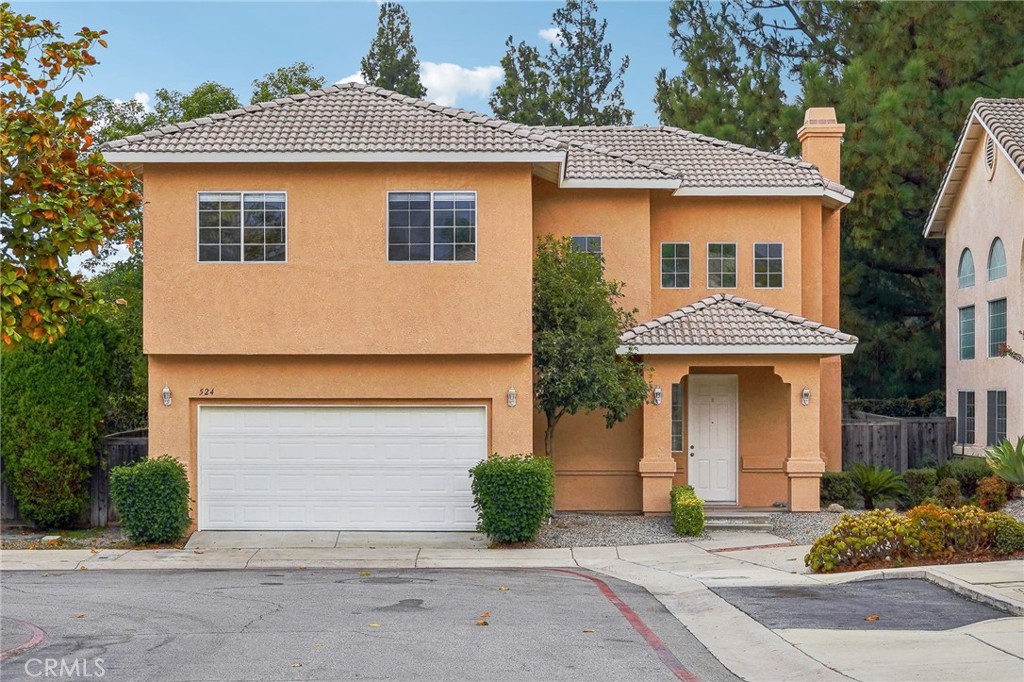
(357, 118)
(1005, 118)
(727, 320)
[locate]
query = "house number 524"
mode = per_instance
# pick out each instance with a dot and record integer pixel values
(206, 391)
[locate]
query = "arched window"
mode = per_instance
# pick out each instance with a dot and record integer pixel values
(965, 273)
(997, 260)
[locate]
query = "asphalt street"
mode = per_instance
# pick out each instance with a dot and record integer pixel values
(526, 624)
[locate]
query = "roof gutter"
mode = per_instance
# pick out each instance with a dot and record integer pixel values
(737, 349)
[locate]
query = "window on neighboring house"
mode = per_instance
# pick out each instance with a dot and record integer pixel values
(675, 265)
(996, 417)
(242, 227)
(965, 273)
(768, 266)
(996, 260)
(721, 266)
(965, 417)
(437, 227)
(967, 333)
(996, 327)
(588, 243)
(677, 417)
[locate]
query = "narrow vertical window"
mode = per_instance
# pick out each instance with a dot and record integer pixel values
(677, 417)
(965, 273)
(768, 266)
(996, 417)
(965, 417)
(996, 260)
(675, 266)
(721, 266)
(996, 327)
(967, 333)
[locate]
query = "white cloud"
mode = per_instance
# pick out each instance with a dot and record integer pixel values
(551, 35)
(446, 83)
(356, 77)
(142, 98)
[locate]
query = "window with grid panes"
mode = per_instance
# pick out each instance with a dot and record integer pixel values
(243, 227)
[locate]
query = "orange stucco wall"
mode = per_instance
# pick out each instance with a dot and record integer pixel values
(338, 294)
(326, 380)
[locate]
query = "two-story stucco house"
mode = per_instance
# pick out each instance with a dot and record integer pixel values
(979, 212)
(338, 308)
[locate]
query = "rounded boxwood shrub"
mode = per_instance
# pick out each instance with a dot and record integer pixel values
(837, 488)
(513, 495)
(920, 484)
(948, 492)
(687, 511)
(151, 498)
(968, 471)
(1009, 534)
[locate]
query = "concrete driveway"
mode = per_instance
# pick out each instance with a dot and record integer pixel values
(544, 624)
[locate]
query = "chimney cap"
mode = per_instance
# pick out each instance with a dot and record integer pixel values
(820, 122)
(818, 116)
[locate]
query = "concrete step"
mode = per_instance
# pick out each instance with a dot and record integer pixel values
(751, 526)
(737, 519)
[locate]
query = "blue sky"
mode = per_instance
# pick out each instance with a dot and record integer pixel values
(178, 45)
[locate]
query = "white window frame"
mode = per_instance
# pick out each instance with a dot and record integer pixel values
(961, 282)
(782, 263)
(431, 192)
(995, 353)
(973, 332)
(707, 264)
(241, 242)
(598, 237)
(661, 264)
(969, 408)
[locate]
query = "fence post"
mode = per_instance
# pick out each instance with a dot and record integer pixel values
(904, 455)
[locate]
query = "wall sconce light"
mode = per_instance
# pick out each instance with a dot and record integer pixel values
(511, 396)
(166, 395)
(657, 395)
(805, 397)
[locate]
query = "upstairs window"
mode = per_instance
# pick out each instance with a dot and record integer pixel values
(965, 273)
(588, 243)
(242, 227)
(996, 260)
(434, 227)
(675, 266)
(996, 327)
(721, 266)
(768, 266)
(967, 333)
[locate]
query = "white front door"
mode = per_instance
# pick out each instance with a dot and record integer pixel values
(712, 426)
(338, 467)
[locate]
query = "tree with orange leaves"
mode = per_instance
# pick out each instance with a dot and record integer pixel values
(58, 196)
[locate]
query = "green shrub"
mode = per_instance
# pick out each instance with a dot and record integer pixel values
(929, 405)
(1007, 461)
(948, 492)
(1009, 534)
(932, 500)
(151, 498)
(992, 493)
(687, 511)
(920, 484)
(968, 471)
(880, 535)
(836, 488)
(875, 484)
(53, 410)
(513, 495)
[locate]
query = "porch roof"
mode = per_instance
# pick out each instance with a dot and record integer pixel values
(727, 324)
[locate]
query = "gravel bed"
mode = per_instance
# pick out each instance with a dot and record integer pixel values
(1015, 508)
(30, 538)
(804, 528)
(607, 530)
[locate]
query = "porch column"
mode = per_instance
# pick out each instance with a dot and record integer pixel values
(804, 465)
(657, 467)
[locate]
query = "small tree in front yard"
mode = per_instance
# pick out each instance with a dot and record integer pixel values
(577, 321)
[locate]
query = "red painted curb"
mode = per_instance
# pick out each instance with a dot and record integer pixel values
(664, 653)
(37, 638)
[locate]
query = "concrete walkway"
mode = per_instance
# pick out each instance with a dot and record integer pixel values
(680, 575)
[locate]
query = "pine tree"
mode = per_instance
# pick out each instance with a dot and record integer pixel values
(574, 85)
(391, 62)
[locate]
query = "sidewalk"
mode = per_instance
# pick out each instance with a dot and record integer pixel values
(682, 576)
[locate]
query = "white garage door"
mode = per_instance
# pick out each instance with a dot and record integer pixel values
(338, 468)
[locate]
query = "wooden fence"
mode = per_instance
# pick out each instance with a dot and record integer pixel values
(899, 443)
(116, 449)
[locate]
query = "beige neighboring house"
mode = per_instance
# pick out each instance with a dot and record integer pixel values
(979, 211)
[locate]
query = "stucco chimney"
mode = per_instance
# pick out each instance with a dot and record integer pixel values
(820, 138)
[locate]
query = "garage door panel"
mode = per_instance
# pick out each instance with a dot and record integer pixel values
(358, 468)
